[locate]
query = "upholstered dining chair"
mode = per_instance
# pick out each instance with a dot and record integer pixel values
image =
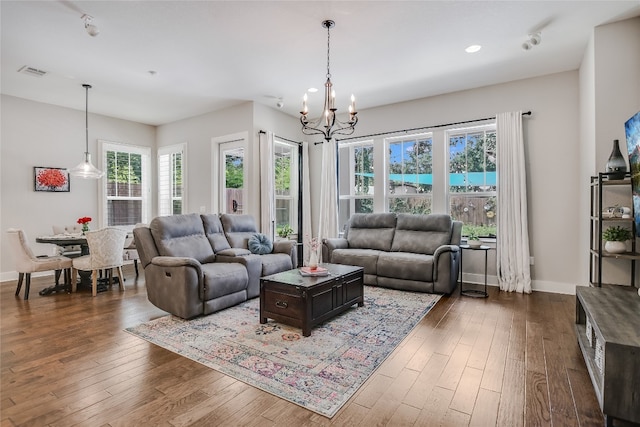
(73, 250)
(27, 262)
(130, 251)
(105, 253)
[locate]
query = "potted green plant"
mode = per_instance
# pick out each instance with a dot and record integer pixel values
(473, 238)
(615, 239)
(284, 231)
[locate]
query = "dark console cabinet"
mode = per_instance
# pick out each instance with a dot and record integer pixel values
(608, 330)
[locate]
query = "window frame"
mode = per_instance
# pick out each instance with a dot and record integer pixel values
(484, 128)
(145, 190)
(169, 151)
(351, 196)
(387, 172)
(294, 174)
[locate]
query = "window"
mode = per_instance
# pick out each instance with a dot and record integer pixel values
(443, 171)
(472, 179)
(410, 174)
(171, 184)
(285, 180)
(356, 181)
(126, 185)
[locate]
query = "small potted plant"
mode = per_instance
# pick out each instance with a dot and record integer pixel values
(615, 239)
(284, 231)
(473, 238)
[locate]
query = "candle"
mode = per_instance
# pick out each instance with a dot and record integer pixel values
(353, 103)
(304, 104)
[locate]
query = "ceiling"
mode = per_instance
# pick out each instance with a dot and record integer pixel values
(210, 55)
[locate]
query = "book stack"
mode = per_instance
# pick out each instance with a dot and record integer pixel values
(318, 271)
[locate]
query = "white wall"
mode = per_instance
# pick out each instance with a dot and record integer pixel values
(197, 132)
(36, 134)
(552, 147)
(609, 96)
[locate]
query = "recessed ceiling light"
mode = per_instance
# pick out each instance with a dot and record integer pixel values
(312, 90)
(473, 48)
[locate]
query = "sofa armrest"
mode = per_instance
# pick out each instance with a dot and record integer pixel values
(331, 244)
(174, 284)
(446, 260)
(288, 247)
(174, 261)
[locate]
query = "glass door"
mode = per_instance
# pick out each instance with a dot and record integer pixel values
(233, 177)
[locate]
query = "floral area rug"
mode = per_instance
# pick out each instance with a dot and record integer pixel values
(320, 372)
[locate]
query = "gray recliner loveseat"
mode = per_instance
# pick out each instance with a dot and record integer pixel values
(199, 264)
(401, 251)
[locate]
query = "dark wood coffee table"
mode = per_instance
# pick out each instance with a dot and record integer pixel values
(305, 302)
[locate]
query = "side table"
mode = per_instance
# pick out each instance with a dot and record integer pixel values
(474, 292)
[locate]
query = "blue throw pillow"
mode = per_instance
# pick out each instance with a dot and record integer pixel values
(260, 244)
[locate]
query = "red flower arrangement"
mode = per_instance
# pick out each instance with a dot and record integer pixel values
(84, 220)
(52, 178)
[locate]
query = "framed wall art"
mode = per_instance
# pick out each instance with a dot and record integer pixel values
(51, 179)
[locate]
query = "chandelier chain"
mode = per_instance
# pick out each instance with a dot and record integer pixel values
(328, 50)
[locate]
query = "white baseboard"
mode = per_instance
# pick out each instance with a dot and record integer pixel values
(536, 285)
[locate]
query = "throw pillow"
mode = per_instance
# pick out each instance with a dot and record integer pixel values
(260, 244)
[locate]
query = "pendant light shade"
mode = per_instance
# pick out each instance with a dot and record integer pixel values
(86, 169)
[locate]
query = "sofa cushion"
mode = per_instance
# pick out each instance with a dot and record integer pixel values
(404, 265)
(371, 231)
(223, 278)
(421, 234)
(181, 236)
(366, 258)
(260, 244)
(238, 229)
(214, 232)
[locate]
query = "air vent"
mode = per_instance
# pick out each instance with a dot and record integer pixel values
(32, 71)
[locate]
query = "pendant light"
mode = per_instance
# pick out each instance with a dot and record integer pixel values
(86, 169)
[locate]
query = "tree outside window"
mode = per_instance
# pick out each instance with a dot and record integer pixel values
(472, 180)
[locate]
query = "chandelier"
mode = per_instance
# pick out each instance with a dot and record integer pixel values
(328, 124)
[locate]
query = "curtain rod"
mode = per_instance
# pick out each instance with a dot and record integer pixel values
(528, 113)
(282, 138)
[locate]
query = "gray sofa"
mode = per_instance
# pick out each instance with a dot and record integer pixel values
(401, 251)
(199, 264)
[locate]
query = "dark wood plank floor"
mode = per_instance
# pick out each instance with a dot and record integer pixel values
(508, 360)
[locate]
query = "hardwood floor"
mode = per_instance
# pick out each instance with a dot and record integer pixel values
(508, 360)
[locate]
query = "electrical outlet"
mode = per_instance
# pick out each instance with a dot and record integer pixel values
(203, 209)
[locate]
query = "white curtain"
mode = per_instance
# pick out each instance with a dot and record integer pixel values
(306, 202)
(267, 196)
(328, 223)
(512, 225)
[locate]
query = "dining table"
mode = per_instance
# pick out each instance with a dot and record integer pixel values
(73, 239)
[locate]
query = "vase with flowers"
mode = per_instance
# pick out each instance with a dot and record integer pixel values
(314, 245)
(85, 220)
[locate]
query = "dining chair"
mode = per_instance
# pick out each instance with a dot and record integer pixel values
(105, 253)
(130, 251)
(27, 262)
(70, 251)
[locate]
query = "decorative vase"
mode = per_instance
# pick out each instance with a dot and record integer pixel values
(313, 260)
(85, 228)
(616, 165)
(615, 247)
